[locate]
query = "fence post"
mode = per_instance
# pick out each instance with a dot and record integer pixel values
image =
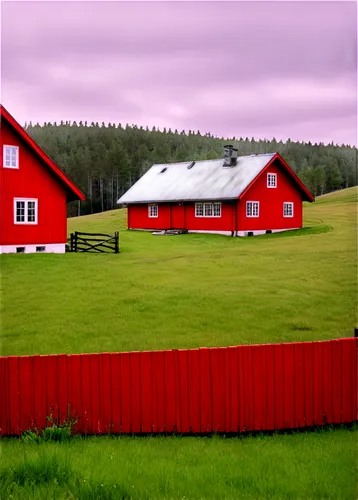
(75, 241)
(356, 332)
(116, 242)
(71, 243)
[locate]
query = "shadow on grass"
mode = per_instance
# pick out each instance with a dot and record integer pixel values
(317, 229)
(317, 429)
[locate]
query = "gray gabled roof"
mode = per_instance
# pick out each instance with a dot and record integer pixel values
(205, 180)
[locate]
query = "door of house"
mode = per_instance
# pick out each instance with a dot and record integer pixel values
(177, 216)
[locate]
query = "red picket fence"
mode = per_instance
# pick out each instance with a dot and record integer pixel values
(233, 389)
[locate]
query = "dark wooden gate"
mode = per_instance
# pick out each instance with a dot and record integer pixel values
(94, 242)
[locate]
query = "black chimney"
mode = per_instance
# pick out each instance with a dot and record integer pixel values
(230, 156)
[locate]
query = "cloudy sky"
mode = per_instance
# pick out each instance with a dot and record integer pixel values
(261, 69)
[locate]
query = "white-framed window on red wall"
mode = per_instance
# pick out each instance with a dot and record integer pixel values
(271, 180)
(10, 156)
(25, 210)
(153, 210)
(252, 209)
(208, 209)
(288, 209)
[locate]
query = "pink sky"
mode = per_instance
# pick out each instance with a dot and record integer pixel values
(261, 69)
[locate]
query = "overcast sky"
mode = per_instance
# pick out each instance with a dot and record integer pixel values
(262, 69)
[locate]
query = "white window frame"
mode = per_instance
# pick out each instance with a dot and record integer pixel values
(271, 177)
(153, 210)
(204, 209)
(16, 148)
(217, 204)
(26, 214)
(252, 203)
(286, 204)
(199, 207)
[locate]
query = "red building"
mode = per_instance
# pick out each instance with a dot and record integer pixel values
(237, 196)
(33, 194)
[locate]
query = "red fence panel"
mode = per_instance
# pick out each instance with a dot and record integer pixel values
(234, 389)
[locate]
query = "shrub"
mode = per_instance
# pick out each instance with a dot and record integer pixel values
(60, 431)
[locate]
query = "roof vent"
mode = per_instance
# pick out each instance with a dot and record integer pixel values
(191, 165)
(163, 170)
(230, 156)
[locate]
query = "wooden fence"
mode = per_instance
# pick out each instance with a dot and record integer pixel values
(233, 389)
(93, 242)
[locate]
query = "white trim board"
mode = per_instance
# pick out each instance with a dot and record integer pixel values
(263, 231)
(255, 232)
(225, 233)
(49, 248)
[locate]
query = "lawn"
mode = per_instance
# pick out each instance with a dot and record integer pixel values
(320, 465)
(186, 291)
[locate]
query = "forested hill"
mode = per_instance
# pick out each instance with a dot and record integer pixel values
(105, 160)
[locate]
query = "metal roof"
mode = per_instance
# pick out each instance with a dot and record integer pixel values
(205, 180)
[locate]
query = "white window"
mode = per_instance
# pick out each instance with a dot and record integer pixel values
(153, 210)
(217, 209)
(199, 209)
(288, 209)
(271, 180)
(252, 208)
(11, 157)
(208, 209)
(25, 211)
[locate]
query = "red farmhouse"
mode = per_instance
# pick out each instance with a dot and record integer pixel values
(33, 194)
(237, 196)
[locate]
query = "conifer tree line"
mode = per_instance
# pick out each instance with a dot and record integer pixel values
(106, 160)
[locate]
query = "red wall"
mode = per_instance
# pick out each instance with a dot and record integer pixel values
(271, 203)
(138, 217)
(31, 180)
(233, 389)
(170, 214)
(223, 223)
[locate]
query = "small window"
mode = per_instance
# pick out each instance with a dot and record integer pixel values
(199, 210)
(288, 209)
(208, 209)
(20, 249)
(11, 157)
(40, 249)
(153, 210)
(252, 208)
(217, 209)
(271, 180)
(25, 211)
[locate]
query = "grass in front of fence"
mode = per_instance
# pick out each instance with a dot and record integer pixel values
(186, 291)
(312, 465)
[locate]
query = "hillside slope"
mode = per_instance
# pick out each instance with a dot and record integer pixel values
(187, 291)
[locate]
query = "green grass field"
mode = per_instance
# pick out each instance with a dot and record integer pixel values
(185, 291)
(305, 466)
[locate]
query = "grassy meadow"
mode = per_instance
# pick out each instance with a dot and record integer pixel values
(319, 465)
(185, 291)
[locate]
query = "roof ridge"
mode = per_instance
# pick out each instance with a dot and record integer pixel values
(207, 161)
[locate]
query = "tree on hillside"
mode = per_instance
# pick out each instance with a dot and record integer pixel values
(320, 179)
(336, 178)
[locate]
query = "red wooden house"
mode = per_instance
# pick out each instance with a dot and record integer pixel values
(33, 194)
(237, 196)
